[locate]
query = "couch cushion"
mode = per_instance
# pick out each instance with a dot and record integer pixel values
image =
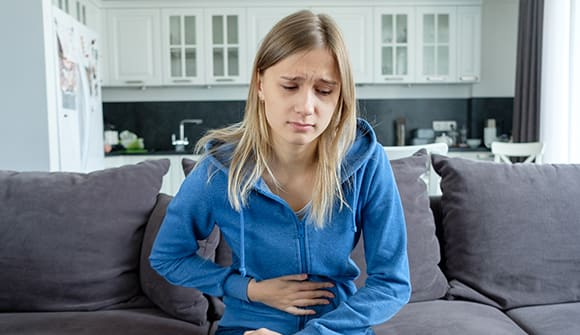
(511, 232)
(559, 319)
(184, 303)
(441, 317)
(427, 280)
(71, 241)
(117, 322)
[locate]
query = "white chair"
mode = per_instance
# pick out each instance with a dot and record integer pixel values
(432, 179)
(502, 151)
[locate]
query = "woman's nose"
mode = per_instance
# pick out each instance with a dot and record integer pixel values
(306, 102)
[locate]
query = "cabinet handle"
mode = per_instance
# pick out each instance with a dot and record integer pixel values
(134, 82)
(468, 78)
(393, 78)
(438, 78)
(223, 80)
(177, 81)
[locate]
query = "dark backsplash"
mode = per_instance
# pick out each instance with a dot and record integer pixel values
(156, 121)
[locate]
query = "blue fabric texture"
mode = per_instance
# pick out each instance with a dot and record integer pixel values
(268, 240)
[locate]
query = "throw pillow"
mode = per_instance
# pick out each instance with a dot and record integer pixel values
(184, 303)
(71, 241)
(511, 231)
(427, 279)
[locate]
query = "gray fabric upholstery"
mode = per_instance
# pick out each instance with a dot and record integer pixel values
(70, 241)
(440, 317)
(511, 232)
(559, 319)
(117, 322)
(183, 303)
(427, 280)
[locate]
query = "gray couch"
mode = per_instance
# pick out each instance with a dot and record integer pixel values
(498, 253)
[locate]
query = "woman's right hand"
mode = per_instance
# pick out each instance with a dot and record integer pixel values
(290, 293)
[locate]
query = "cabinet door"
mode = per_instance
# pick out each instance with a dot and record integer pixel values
(394, 45)
(182, 51)
(436, 54)
(134, 47)
(356, 27)
(260, 21)
(468, 43)
(226, 46)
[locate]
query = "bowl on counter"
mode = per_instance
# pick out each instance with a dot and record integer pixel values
(473, 142)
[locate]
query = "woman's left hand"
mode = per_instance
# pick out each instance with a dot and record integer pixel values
(261, 331)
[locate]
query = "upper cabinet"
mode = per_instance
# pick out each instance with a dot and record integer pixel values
(225, 46)
(206, 45)
(182, 47)
(356, 25)
(394, 45)
(134, 38)
(436, 41)
(468, 44)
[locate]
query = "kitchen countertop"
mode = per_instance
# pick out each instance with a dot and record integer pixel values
(153, 152)
(149, 153)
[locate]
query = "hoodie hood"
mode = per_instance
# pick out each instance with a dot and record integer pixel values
(360, 151)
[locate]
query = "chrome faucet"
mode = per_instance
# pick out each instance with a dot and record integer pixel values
(182, 142)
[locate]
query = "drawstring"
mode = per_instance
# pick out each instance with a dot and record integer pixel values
(242, 244)
(354, 202)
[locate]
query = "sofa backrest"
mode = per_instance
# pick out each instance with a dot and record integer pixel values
(71, 241)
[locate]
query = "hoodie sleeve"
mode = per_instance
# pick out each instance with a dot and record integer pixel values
(387, 288)
(189, 219)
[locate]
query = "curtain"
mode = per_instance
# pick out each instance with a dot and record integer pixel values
(526, 117)
(560, 105)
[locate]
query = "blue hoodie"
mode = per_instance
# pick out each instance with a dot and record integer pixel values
(268, 240)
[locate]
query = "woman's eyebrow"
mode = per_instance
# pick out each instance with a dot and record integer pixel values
(300, 79)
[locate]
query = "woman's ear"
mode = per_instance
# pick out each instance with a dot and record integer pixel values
(260, 88)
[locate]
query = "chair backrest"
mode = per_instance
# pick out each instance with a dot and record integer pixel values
(532, 151)
(432, 179)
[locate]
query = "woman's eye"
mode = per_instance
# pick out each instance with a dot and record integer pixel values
(289, 87)
(324, 92)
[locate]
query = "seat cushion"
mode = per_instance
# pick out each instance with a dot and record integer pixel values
(511, 232)
(184, 303)
(558, 319)
(427, 279)
(71, 241)
(441, 317)
(114, 322)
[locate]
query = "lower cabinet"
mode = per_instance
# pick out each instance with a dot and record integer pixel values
(483, 155)
(171, 181)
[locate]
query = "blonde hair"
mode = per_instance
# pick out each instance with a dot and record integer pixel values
(298, 32)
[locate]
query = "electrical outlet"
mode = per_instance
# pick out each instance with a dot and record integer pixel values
(444, 125)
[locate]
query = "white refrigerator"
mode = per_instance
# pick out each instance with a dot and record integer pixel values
(79, 101)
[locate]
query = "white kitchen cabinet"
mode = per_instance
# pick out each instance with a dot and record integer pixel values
(468, 44)
(182, 46)
(436, 45)
(481, 155)
(394, 45)
(356, 27)
(134, 37)
(173, 178)
(226, 46)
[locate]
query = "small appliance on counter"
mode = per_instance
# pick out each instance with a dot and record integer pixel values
(422, 136)
(489, 133)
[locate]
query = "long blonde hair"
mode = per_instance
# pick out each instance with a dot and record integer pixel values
(298, 32)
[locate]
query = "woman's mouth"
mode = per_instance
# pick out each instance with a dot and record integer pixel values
(299, 126)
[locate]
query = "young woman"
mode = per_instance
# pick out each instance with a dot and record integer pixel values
(291, 188)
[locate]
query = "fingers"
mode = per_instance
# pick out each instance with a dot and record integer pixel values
(299, 311)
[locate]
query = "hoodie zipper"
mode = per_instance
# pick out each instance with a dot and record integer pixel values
(303, 263)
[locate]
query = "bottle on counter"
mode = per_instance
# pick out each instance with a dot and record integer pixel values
(454, 135)
(463, 136)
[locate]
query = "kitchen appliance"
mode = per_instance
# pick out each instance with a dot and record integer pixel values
(489, 133)
(79, 106)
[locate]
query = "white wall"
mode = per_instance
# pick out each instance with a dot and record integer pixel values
(498, 47)
(25, 131)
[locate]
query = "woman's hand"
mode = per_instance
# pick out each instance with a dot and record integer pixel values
(289, 293)
(261, 331)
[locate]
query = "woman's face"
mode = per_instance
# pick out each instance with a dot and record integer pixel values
(300, 94)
